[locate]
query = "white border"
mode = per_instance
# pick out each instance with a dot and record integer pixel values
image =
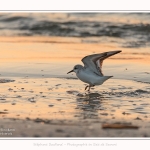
(80, 144)
(70, 5)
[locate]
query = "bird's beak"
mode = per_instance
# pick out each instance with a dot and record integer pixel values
(70, 71)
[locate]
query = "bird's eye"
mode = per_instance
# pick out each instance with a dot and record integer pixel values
(75, 68)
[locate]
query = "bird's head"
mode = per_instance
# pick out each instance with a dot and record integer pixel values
(76, 68)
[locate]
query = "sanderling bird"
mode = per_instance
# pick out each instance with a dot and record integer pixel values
(91, 72)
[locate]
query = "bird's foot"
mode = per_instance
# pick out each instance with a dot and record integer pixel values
(89, 89)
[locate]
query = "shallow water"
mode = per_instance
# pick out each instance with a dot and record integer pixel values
(64, 102)
(130, 30)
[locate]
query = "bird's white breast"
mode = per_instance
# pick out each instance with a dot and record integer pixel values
(89, 77)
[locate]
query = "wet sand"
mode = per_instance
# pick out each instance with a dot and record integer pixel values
(38, 98)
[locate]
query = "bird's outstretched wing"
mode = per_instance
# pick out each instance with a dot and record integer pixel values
(94, 62)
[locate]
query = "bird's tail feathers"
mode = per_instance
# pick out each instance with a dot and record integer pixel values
(106, 78)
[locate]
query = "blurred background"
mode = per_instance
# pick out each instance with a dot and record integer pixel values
(128, 30)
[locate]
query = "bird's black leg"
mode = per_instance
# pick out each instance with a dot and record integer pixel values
(86, 87)
(90, 87)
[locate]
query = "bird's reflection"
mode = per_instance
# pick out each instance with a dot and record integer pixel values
(89, 104)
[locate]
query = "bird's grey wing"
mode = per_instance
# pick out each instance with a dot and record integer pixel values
(94, 62)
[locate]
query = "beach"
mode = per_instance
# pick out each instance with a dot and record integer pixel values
(39, 99)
